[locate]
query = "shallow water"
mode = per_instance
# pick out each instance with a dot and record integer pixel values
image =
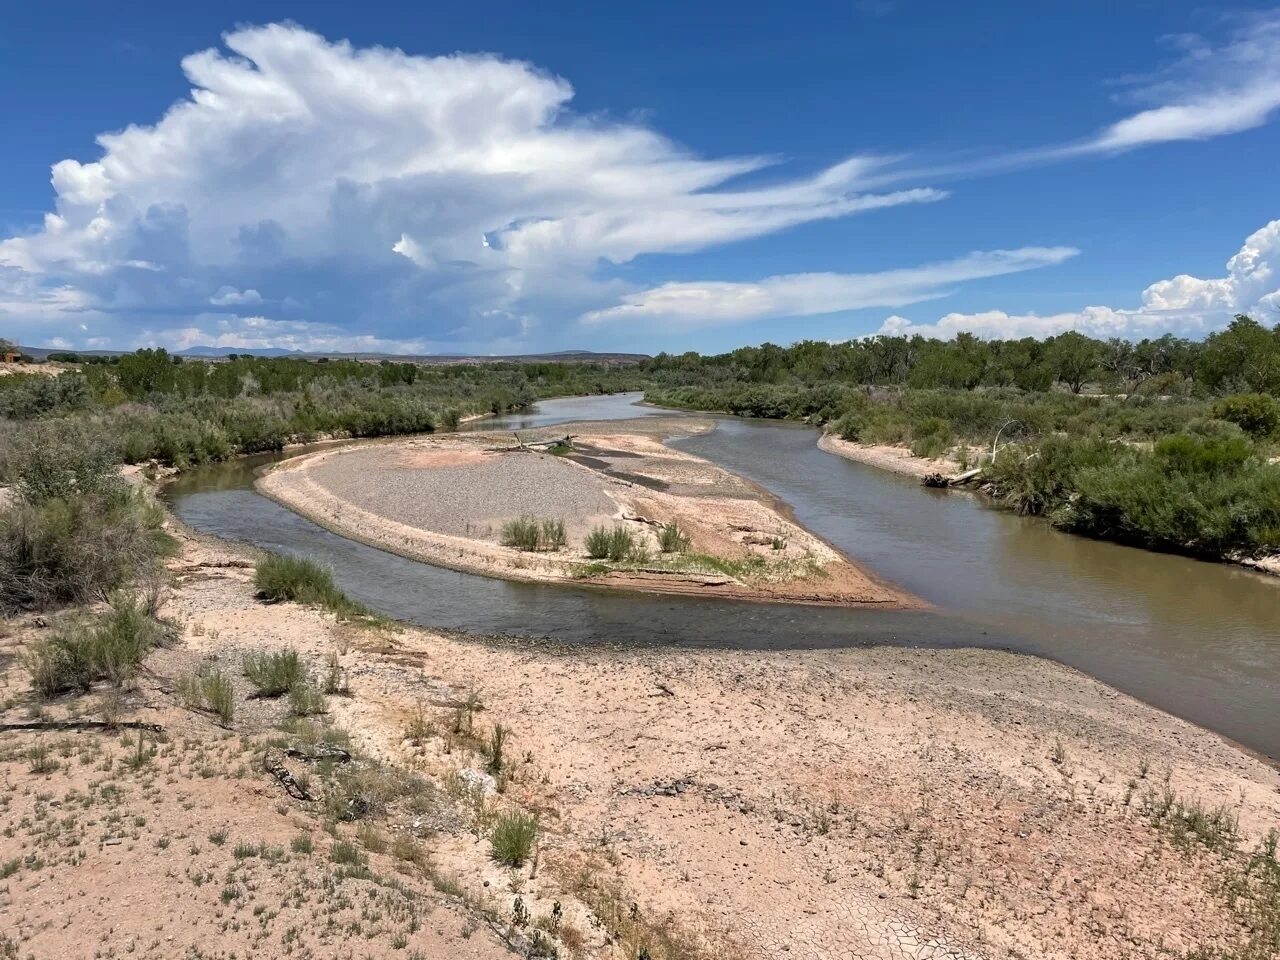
(1198, 639)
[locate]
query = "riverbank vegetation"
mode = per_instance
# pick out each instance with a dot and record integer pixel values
(1169, 444)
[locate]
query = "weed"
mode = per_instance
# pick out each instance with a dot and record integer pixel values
(513, 837)
(614, 545)
(275, 674)
(278, 578)
(672, 539)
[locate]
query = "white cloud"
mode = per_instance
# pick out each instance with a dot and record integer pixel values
(229, 296)
(709, 304)
(234, 332)
(423, 194)
(1208, 92)
(1185, 305)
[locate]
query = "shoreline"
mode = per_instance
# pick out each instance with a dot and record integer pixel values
(902, 461)
(734, 522)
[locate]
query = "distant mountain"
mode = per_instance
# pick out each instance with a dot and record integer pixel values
(206, 351)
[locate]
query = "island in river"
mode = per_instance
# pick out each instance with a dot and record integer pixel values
(449, 500)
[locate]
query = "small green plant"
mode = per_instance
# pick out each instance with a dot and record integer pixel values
(513, 837)
(302, 844)
(497, 741)
(41, 760)
(346, 852)
(672, 539)
(553, 535)
(106, 647)
(275, 674)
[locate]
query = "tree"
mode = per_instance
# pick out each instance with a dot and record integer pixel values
(1245, 356)
(1073, 357)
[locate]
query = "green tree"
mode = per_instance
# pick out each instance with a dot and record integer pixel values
(1073, 357)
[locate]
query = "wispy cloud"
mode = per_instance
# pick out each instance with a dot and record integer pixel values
(686, 306)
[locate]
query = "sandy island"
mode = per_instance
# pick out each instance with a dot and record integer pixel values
(445, 500)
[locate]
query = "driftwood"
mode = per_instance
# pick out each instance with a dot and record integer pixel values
(941, 480)
(75, 725)
(639, 519)
(565, 441)
(272, 764)
(318, 752)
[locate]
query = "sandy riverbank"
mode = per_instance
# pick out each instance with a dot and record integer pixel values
(877, 803)
(446, 499)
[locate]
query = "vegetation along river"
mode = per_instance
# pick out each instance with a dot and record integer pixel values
(1198, 639)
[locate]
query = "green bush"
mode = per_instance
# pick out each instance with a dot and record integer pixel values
(615, 545)
(530, 534)
(275, 674)
(513, 837)
(279, 577)
(672, 539)
(72, 550)
(1258, 414)
(109, 647)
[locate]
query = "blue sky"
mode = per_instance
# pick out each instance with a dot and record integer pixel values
(509, 177)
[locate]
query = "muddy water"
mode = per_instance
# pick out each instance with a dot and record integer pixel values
(1198, 639)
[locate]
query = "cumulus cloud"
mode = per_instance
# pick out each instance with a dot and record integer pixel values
(710, 304)
(1184, 304)
(437, 197)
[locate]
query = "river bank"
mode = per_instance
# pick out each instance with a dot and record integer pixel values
(447, 501)
(802, 804)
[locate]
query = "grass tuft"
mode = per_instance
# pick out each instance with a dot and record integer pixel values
(513, 837)
(300, 580)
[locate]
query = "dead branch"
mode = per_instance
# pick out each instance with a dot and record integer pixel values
(76, 725)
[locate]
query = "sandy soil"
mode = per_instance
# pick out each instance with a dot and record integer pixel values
(887, 457)
(878, 803)
(445, 500)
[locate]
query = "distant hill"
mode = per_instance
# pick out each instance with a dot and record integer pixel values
(219, 353)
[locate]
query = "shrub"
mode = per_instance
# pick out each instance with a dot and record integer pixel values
(553, 535)
(615, 545)
(71, 550)
(275, 674)
(672, 539)
(301, 580)
(210, 690)
(530, 534)
(497, 743)
(1258, 414)
(60, 459)
(523, 533)
(106, 647)
(305, 700)
(513, 837)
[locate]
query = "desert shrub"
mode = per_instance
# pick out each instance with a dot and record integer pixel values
(513, 837)
(208, 690)
(523, 533)
(305, 700)
(553, 535)
(72, 550)
(278, 577)
(109, 647)
(275, 674)
(615, 545)
(59, 459)
(930, 437)
(673, 539)
(496, 746)
(1258, 414)
(531, 534)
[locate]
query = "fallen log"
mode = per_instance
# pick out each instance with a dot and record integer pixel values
(76, 725)
(272, 764)
(318, 752)
(965, 477)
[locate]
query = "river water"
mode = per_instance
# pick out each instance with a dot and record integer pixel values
(1200, 640)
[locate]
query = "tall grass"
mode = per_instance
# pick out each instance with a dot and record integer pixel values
(613, 544)
(531, 534)
(278, 577)
(672, 539)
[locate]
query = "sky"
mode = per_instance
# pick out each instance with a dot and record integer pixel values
(515, 177)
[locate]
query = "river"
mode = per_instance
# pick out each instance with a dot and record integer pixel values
(1198, 639)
